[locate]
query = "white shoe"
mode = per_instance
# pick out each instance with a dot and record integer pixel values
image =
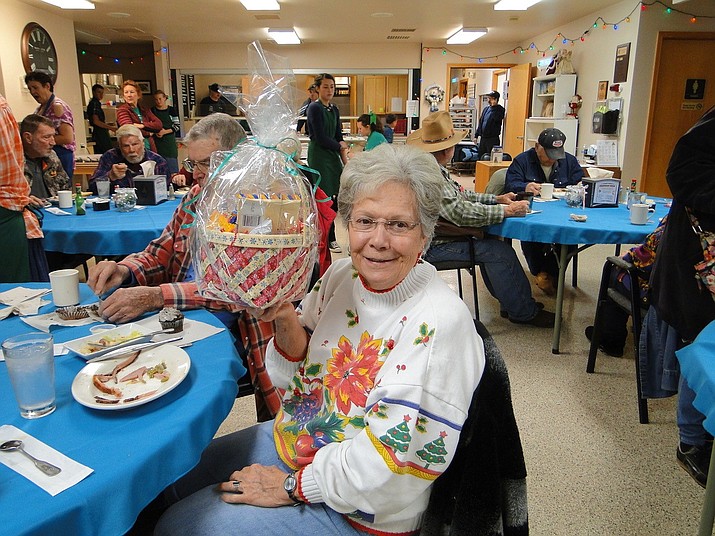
(335, 247)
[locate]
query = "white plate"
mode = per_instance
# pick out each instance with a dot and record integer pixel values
(177, 362)
(79, 346)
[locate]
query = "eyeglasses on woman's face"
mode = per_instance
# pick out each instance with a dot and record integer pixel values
(364, 224)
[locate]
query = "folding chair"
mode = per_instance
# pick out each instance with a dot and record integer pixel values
(633, 306)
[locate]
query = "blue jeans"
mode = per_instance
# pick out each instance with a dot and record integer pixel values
(199, 509)
(690, 420)
(501, 270)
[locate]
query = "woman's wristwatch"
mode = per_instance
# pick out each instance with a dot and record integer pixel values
(290, 484)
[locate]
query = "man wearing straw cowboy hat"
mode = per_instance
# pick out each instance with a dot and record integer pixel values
(501, 270)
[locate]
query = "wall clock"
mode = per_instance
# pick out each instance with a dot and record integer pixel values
(38, 51)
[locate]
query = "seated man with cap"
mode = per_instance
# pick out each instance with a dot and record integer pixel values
(547, 161)
(489, 128)
(119, 166)
(216, 102)
(500, 267)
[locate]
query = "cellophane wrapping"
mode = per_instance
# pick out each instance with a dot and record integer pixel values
(255, 236)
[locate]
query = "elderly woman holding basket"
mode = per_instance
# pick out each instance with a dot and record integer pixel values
(377, 364)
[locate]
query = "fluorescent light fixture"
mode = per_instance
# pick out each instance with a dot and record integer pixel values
(261, 5)
(284, 36)
(466, 35)
(514, 5)
(70, 4)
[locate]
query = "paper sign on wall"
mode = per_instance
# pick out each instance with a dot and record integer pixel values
(413, 108)
(607, 153)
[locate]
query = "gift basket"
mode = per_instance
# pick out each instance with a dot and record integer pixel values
(255, 236)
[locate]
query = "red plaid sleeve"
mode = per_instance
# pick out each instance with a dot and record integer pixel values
(15, 190)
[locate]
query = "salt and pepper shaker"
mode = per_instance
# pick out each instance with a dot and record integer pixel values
(171, 195)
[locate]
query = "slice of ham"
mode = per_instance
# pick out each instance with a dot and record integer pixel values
(139, 396)
(136, 375)
(102, 400)
(124, 364)
(100, 384)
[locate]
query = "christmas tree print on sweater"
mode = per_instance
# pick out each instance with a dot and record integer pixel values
(433, 453)
(398, 437)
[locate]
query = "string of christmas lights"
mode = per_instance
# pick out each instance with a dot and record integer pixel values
(564, 40)
(119, 59)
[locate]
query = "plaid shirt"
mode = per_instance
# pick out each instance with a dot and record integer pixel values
(466, 208)
(256, 335)
(14, 188)
(166, 261)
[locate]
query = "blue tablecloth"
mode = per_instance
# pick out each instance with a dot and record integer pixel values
(553, 224)
(135, 453)
(603, 226)
(108, 232)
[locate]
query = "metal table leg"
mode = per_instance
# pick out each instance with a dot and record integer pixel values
(707, 516)
(563, 262)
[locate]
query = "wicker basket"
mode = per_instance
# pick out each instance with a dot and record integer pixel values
(256, 270)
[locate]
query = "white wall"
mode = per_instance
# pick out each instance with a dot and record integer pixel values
(15, 16)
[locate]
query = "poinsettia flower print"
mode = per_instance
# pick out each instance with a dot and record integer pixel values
(351, 372)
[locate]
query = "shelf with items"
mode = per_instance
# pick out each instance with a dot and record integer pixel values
(534, 126)
(551, 95)
(464, 118)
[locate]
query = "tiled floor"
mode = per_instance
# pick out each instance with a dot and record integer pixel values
(593, 469)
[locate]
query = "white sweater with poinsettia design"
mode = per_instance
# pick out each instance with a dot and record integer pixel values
(372, 415)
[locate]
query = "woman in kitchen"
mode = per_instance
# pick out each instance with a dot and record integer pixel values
(327, 152)
(133, 113)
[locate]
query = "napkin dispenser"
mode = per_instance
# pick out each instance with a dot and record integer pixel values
(151, 190)
(602, 193)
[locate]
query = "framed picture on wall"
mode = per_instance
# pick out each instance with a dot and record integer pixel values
(602, 90)
(145, 86)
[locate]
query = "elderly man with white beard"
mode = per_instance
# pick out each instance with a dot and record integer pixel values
(120, 166)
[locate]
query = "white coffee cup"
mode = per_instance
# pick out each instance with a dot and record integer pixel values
(547, 190)
(65, 198)
(65, 287)
(103, 189)
(639, 213)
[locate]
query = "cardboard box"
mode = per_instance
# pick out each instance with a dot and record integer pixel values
(602, 193)
(151, 190)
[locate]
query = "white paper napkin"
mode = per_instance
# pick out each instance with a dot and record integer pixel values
(58, 211)
(599, 173)
(22, 301)
(43, 322)
(19, 294)
(194, 330)
(148, 167)
(72, 472)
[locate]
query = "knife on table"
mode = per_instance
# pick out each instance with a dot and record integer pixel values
(126, 350)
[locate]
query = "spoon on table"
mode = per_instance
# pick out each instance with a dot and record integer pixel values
(16, 444)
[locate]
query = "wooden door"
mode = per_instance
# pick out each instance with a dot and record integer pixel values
(396, 87)
(517, 108)
(671, 115)
(374, 90)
